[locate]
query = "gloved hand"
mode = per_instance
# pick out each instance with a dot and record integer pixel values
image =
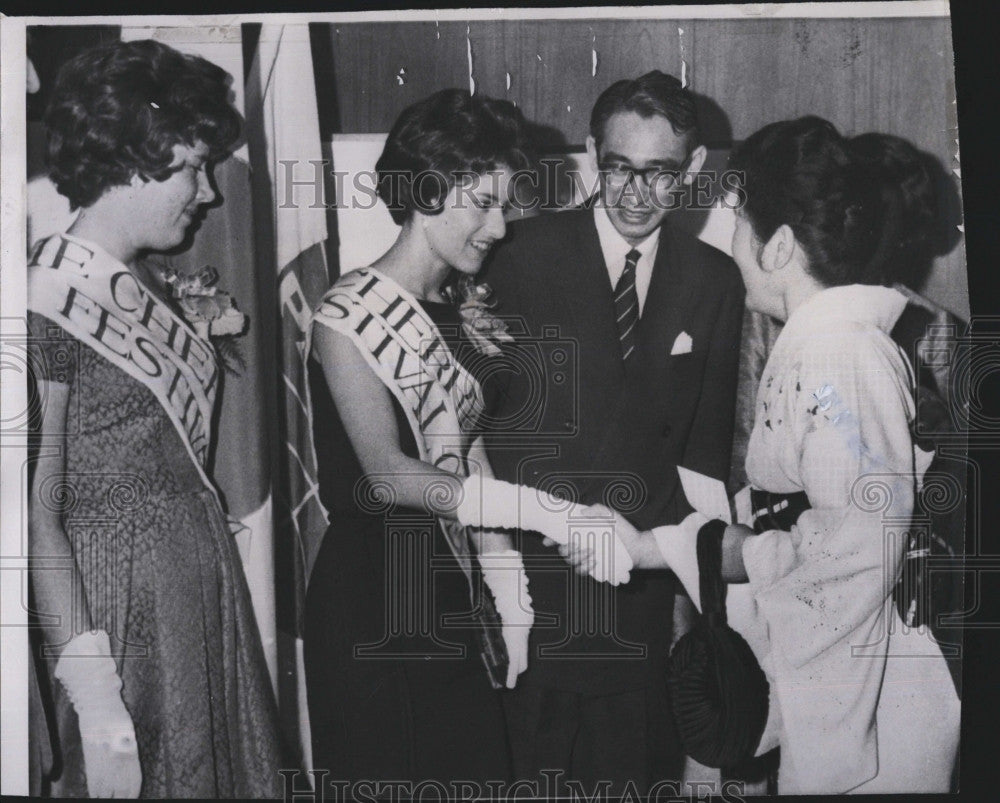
(110, 754)
(492, 503)
(504, 573)
(678, 543)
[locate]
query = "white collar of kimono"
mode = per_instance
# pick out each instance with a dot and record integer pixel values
(861, 303)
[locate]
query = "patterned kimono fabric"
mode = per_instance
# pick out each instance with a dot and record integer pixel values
(859, 702)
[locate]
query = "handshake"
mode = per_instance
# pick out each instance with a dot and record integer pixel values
(593, 539)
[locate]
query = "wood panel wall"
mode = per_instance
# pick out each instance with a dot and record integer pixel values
(890, 75)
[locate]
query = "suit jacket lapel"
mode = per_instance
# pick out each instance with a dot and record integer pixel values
(586, 289)
(669, 296)
(670, 293)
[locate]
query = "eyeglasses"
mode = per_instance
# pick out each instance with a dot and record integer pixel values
(659, 177)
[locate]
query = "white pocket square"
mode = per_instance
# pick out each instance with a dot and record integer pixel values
(682, 345)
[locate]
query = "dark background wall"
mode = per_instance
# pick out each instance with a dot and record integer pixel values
(889, 75)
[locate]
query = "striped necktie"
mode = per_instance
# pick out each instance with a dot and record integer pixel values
(627, 305)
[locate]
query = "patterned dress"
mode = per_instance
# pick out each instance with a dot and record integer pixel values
(163, 576)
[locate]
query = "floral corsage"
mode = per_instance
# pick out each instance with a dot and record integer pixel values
(479, 324)
(210, 311)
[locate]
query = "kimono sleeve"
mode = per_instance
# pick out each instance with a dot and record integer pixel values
(827, 580)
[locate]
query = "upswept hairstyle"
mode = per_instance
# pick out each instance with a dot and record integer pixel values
(439, 138)
(862, 208)
(117, 110)
(652, 94)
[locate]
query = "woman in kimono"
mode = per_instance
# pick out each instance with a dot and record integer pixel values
(858, 702)
(157, 672)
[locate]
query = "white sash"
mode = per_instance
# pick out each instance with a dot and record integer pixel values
(402, 345)
(98, 301)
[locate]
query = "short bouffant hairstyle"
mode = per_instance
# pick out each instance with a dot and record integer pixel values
(441, 137)
(118, 110)
(863, 208)
(649, 95)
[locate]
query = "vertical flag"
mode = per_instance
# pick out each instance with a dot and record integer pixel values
(284, 141)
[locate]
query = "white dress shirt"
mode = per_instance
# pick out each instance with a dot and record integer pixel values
(615, 250)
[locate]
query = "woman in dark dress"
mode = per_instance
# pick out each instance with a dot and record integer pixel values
(158, 676)
(397, 626)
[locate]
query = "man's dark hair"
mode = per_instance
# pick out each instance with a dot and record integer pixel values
(652, 94)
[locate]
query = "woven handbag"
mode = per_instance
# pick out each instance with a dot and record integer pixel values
(718, 691)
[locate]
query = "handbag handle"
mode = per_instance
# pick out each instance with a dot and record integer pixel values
(710, 582)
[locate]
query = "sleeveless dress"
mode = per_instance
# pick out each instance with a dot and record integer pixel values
(397, 688)
(163, 576)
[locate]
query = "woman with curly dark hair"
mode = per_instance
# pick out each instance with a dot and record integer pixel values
(158, 674)
(398, 624)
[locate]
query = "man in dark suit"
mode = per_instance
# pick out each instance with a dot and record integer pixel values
(649, 318)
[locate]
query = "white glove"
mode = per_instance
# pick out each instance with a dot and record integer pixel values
(678, 543)
(489, 502)
(110, 754)
(504, 573)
